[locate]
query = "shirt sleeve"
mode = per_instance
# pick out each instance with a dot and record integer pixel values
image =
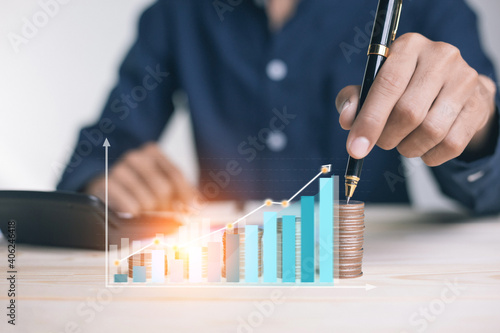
(473, 183)
(138, 107)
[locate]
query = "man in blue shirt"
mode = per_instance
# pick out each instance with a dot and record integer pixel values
(263, 81)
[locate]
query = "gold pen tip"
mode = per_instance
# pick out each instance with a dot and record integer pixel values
(351, 183)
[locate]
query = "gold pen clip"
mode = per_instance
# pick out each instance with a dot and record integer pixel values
(396, 19)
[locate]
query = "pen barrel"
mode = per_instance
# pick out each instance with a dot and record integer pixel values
(386, 22)
(373, 65)
(354, 167)
(384, 33)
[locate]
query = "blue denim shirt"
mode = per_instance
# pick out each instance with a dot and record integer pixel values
(263, 103)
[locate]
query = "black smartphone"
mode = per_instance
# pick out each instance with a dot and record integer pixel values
(69, 219)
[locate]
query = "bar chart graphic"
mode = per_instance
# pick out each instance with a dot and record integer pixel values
(293, 245)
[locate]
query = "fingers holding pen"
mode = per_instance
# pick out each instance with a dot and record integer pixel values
(387, 89)
(467, 124)
(422, 103)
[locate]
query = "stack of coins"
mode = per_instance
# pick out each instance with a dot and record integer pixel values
(348, 247)
(241, 232)
(143, 259)
(280, 247)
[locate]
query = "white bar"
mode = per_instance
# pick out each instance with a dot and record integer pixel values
(183, 254)
(158, 266)
(214, 261)
(170, 257)
(195, 264)
(113, 256)
(124, 252)
(194, 231)
(214, 237)
(177, 271)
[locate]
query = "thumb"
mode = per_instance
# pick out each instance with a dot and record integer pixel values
(347, 103)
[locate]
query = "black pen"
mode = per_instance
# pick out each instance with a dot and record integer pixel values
(383, 34)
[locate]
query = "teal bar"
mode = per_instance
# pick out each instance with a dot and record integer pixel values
(270, 247)
(139, 274)
(232, 257)
(288, 249)
(326, 230)
(121, 278)
(251, 253)
(307, 239)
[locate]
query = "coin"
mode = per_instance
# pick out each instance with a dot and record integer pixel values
(349, 232)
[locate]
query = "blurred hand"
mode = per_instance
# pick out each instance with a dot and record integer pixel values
(144, 180)
(426, 101)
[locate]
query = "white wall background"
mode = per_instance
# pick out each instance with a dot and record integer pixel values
(60, 79)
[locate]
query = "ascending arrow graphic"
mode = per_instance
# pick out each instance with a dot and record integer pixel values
(106, 145)
(324, 169)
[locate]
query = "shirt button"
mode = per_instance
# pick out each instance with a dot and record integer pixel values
(276, 70)
(475, 176)
(276, 141)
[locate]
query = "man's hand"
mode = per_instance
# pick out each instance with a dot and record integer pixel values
(426, 101)
(143, 180)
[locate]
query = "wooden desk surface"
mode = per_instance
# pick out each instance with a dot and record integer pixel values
(431, 273)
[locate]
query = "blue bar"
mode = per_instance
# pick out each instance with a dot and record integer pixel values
(326, 230)
(307, 239)
(251, 253)
(270, 247)
(139, 274)
(121, 278)
(232, 257)
(288, 249)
